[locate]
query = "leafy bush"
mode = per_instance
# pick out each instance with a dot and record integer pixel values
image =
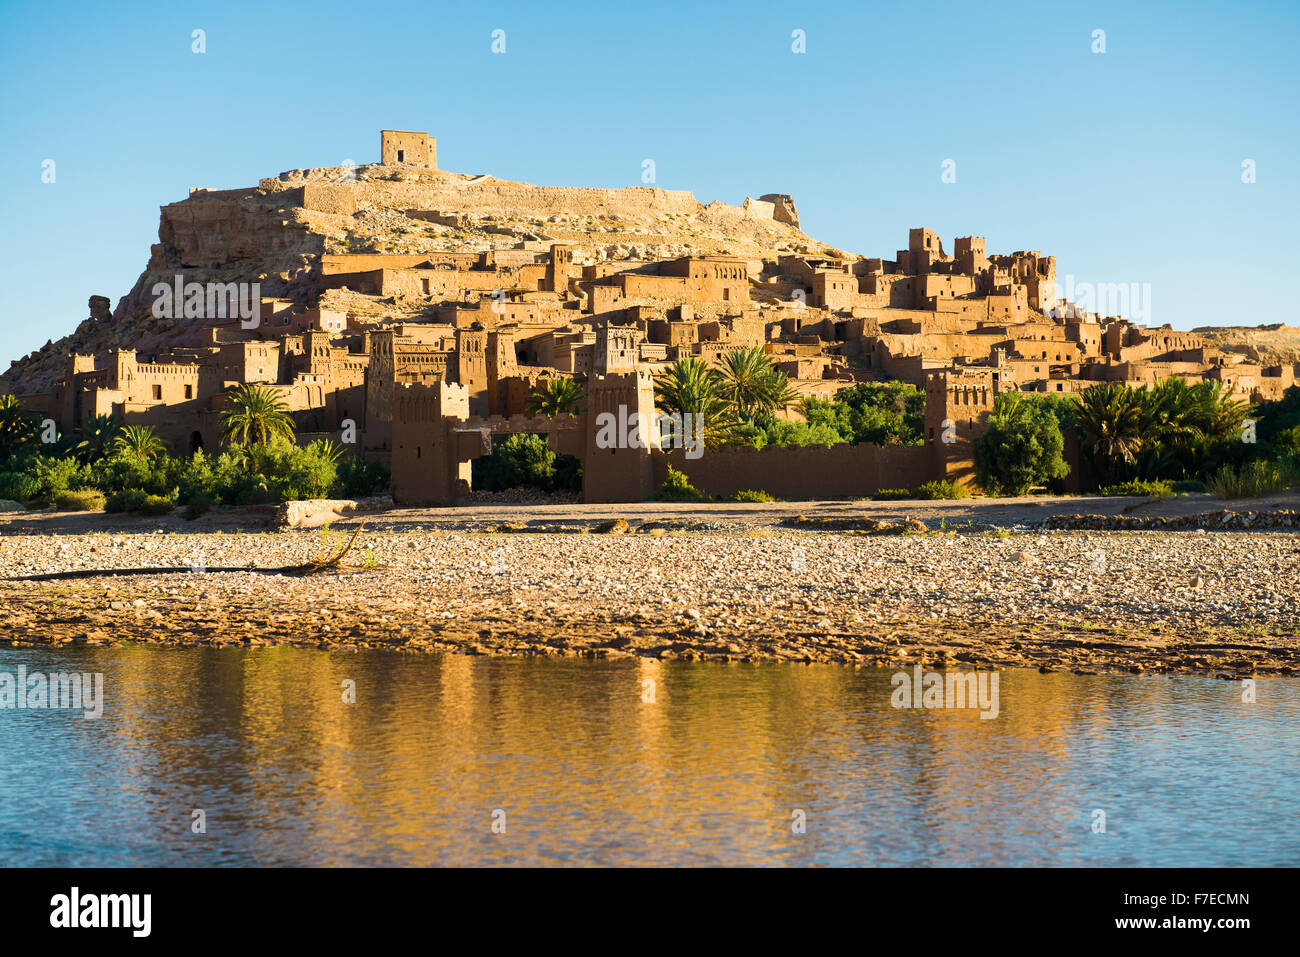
(519, 460)
(127, 500)
(678, 488)
(1021, 449)
(942, 489)
(766, 430)
(358, 478)
(124, 472)
(262, 474)
(1189, 485)
(888, 413)
(54, 475)
(891, 494)
(755, 495)
(1139, 487)
(86, 500)
(19, 486)
(156, 505)
(1252, 480)
(194, 478)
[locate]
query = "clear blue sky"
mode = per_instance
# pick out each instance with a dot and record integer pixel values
(1125, 165)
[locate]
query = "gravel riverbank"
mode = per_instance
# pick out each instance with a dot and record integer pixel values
(1224, 603)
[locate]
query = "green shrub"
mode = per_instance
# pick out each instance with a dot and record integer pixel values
(236, 481)
(1252, 480)
(19, 486)
(678, 488)
(156, 505)
(1189, 485)
(521, 460)
(358, 478)
(1139, 487)
(127, 500)
(755, 495)
(768, 430)
(882, 413)
(942, 489)
(54, 474)
(86, 500)
(194, 478)
(891, 494)
(1021, 448)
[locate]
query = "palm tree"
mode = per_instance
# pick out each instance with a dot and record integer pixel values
(140, 442)
(753, 383)
(1111, 417)
(1181, 421)
(689, 387)
(326, 450)
(96, 436)
(17, 426)
(255, 415)
(557, 397)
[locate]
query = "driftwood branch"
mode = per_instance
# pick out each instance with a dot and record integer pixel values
(323, 564)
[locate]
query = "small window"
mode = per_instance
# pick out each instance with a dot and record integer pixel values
(157, 392)
(401, 156)
(189, 392)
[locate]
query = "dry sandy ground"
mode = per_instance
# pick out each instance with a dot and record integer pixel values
(983, 513)
(717, 583)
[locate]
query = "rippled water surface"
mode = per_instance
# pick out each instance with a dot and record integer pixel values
(580, 770)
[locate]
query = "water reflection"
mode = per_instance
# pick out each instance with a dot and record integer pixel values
(587, 771)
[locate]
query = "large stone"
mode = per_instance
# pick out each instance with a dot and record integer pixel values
(313, 512)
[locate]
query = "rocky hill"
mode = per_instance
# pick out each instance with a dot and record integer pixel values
(276, 232)
(1269, 345)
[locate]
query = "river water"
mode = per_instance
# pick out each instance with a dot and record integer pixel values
(451, 760)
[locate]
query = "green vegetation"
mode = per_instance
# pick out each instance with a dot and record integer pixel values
(766, 430)
(255, 416)
(753, 384)
(942, 489)
(128, 500)
(890, 413)
(932, 491)
(138, 442)
(740, 402)
(1022, 447)
(689, 387)
(86, 500)
(526, 460)
(678, 488)
(557, 397)
(1172, 430)
(128, 468)
(891, 494)
(754, 495)
(1251, 480)
(17, 427)
(1193, 437)
(156, 505)
(1155, 489)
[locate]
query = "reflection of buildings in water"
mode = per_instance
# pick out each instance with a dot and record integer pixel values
(713, 760)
